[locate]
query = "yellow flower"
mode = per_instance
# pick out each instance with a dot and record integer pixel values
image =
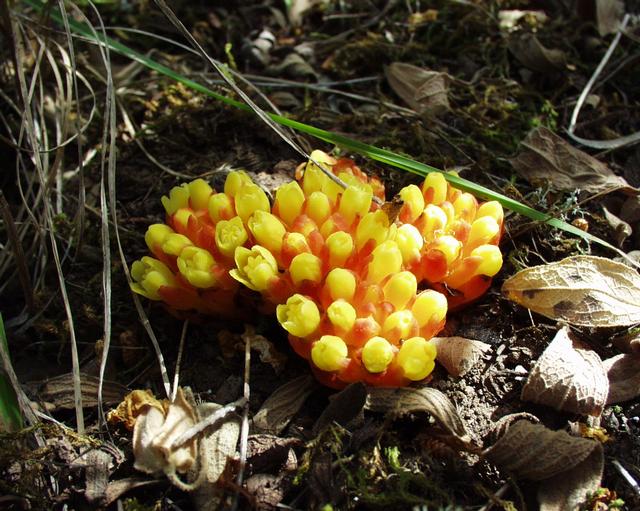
(314, 178)
(199, 193)
(268, 230)
(255, 267)
(410, 242)
(196, 265)
(305, 266)
(373, 225)
(342, 315)
(341, 283)
(482, 231)
(318, 207)
(289, 199)
(236, 179)
(329, 353)
(413, 203)
(386, 259)
(249, 199)
(156, 234)
(377, 354)
(449, 246)
(299, 316)
(230, 234)
(174, 243)
(399, 324)
(220, 207)
(150, 275)
(400, 289)
(355, 201)
(178, 198)
(465, 207)
(491, 260)
(492, 209)
(432, 221)
(429, 306)
(417, 358)
(434, 188)
(340, 245)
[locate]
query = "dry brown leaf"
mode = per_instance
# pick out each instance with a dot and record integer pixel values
(624, 377)
(58, 391)
(425, 399)
(344, 407)
(569, 489)
(532, 451)
(425, 91)
(132, 405)
(544, 158)
(581, 290)
(282, 405)
(608, 15)
(621, 229)
(532, 54)
(458, 355)
(567, 377)
(154, 434)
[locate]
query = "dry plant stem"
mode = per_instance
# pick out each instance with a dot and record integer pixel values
(601, 144)
(256, 109)
(176, 375)
(18, 252)
(244, 430)
(627, 476)
(36, 154)
(207, 422)
(497, 495)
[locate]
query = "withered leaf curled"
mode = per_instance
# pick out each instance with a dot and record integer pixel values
(155, 432)
(458, 355)
(623, 372)
(280, 407)
(581, 290)
(425, 399)
(568, 377)
(532, 451)
(532, 53)
(425, 91)
(544, 157)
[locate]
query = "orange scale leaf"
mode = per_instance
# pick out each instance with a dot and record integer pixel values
(180, 298)
(469, 292)
(459, 229)
(433, 265)
(301, 347)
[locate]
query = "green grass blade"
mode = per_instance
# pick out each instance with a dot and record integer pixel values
(10, 416)
(372, 152)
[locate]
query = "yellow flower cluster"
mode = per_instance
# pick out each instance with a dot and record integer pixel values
(343, 275)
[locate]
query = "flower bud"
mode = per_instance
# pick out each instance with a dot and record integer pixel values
(249, 199)
(155, 236)
(314, 177)
(178, 198)
(377, 354)
(318, 207)
(329, 353)
(399, 325)
(410, 242)
(299, 316)
(149, 276)
(372, 226)
(493, 209)
(355, 202)
(197, 265)
(255, 267)
(230, 234)
(174, 243)
(293, 244)
(289, 201)
(483, 230)
(181, 219)
(417, 358)
(340, 246)
(386, 259)
(220, 207)
(465, 206)
(434, 188)
(305, 267)
(235, 180)
(449, 246)
(432, 221)
(267, 229)
(491, 259)
(413, 204)
(342, 315)
(400, 289)
(341, 283)
(199, 193)
(429, 307)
